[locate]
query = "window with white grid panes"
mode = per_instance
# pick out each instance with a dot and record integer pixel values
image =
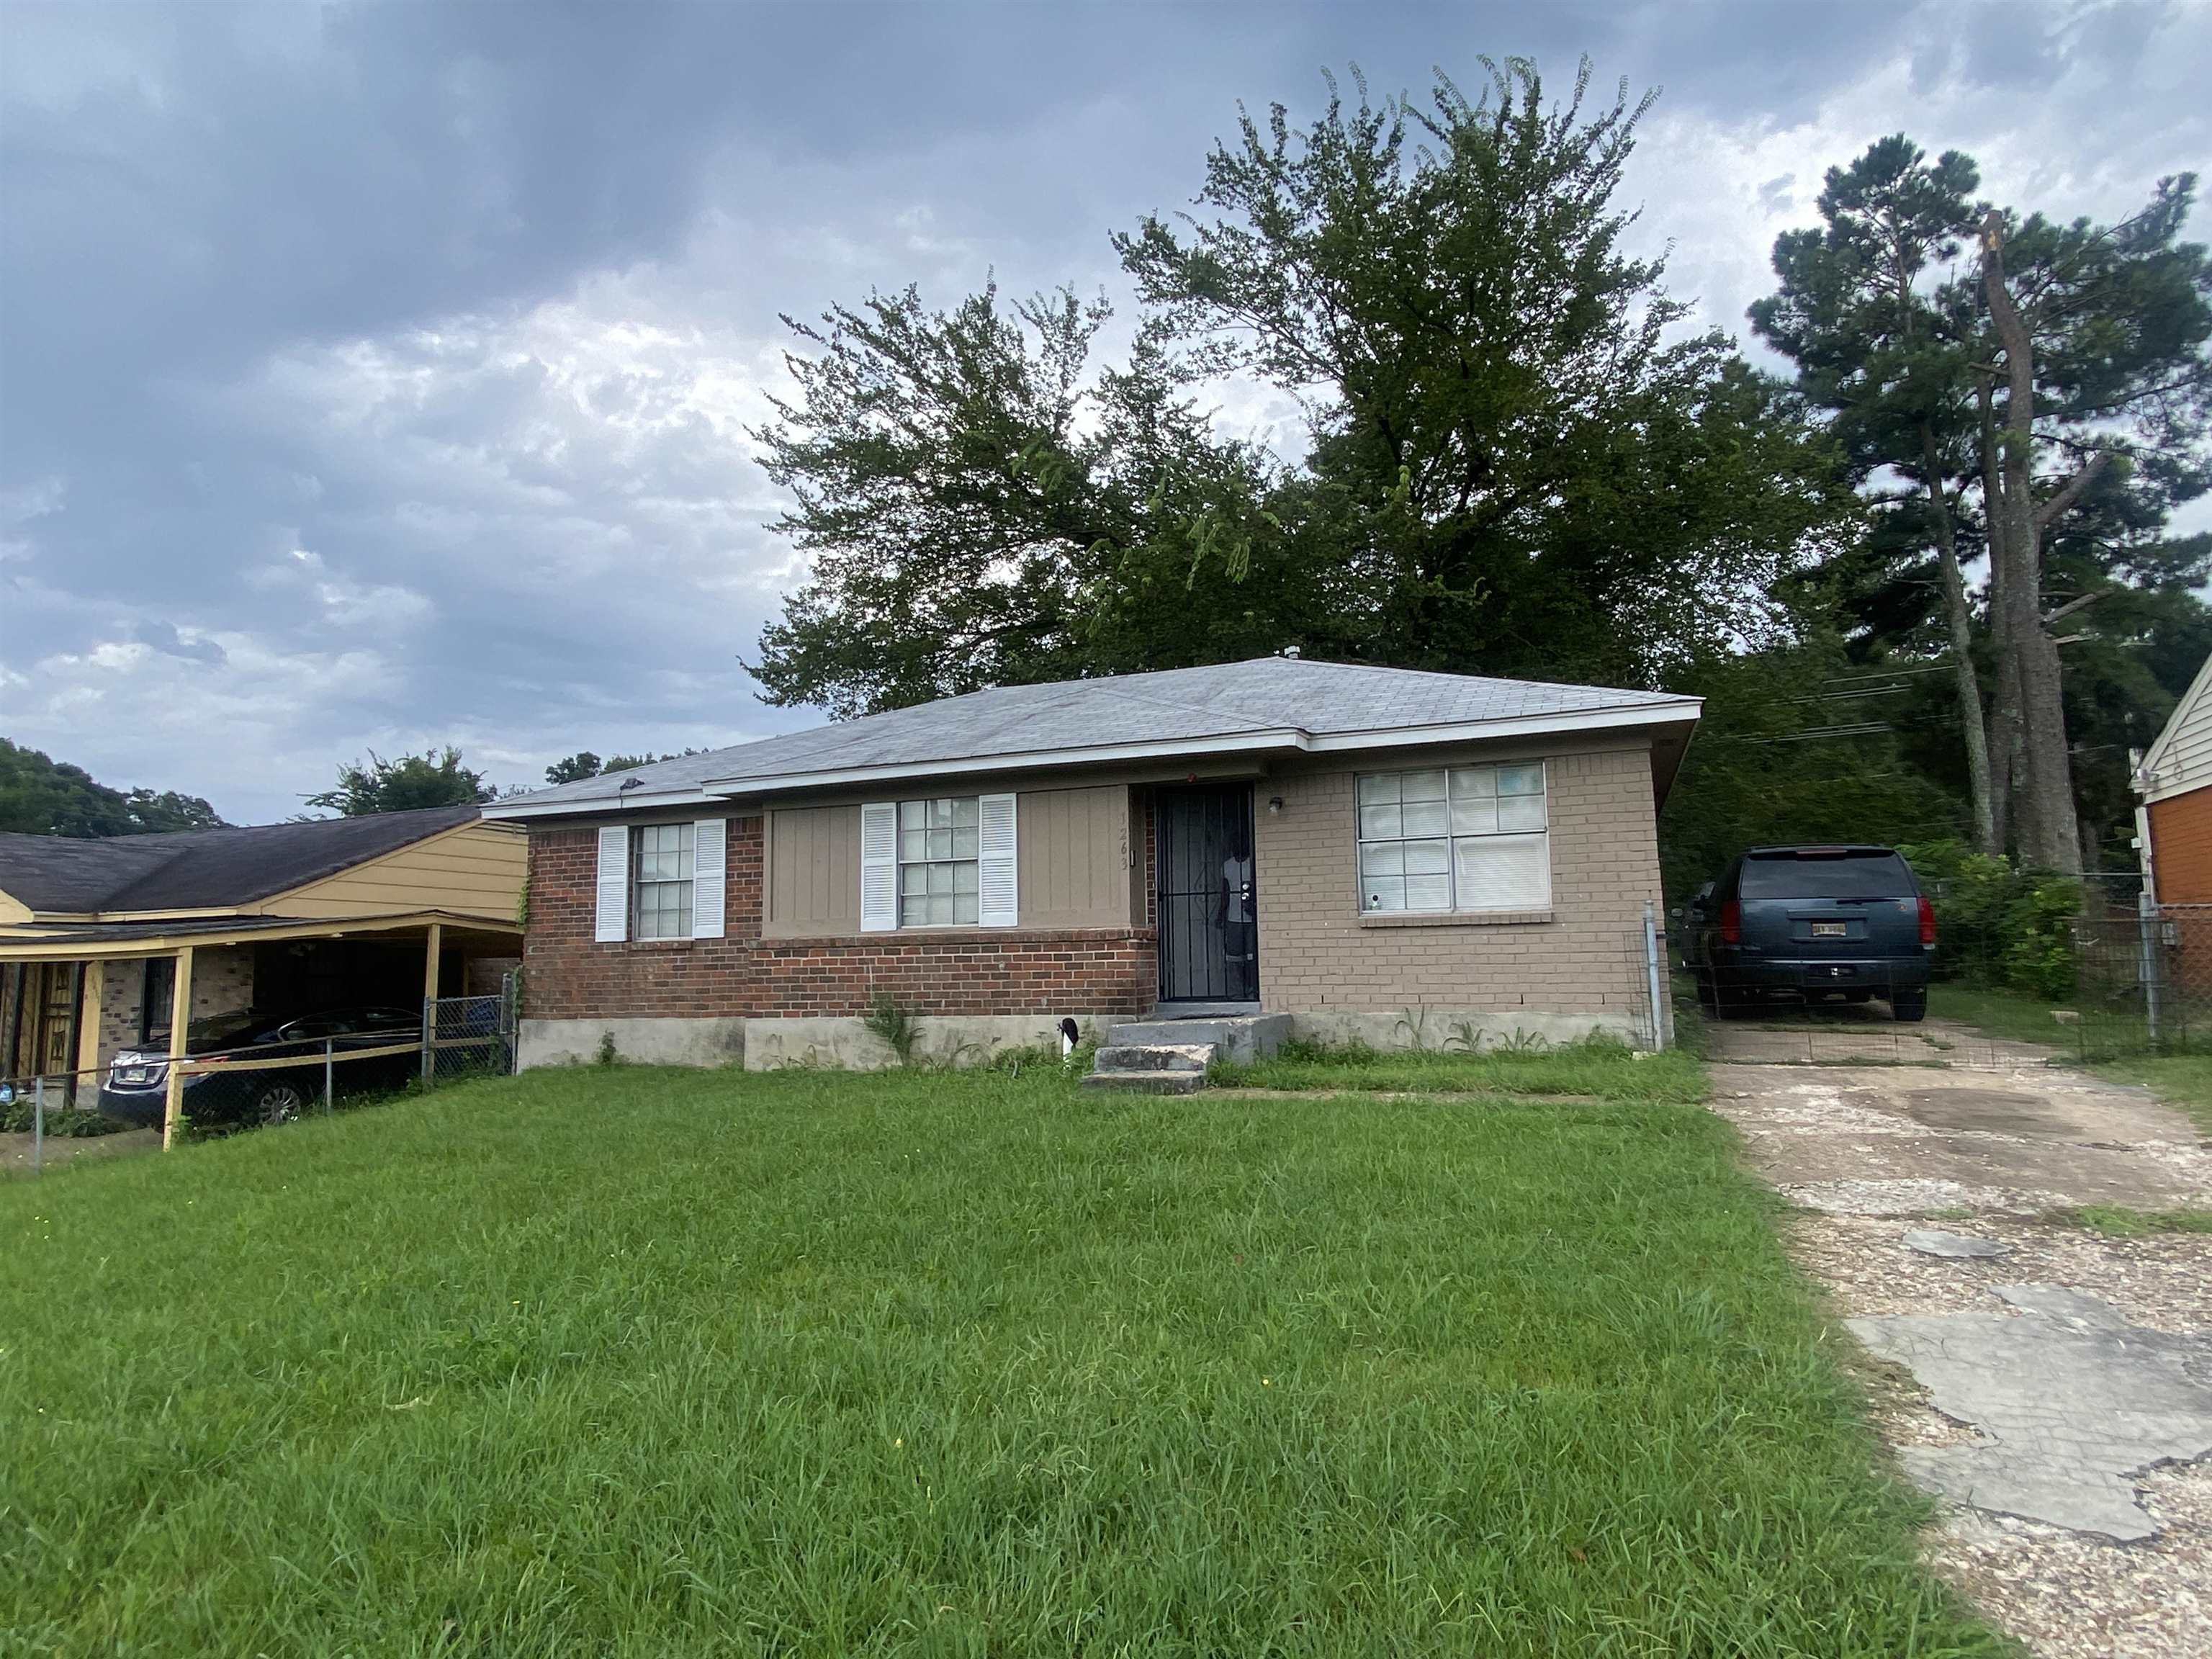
(662, 906)
(938, 859)
(1463, 838)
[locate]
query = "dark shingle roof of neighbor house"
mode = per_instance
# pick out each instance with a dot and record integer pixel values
(202, 869)
(1238, 705)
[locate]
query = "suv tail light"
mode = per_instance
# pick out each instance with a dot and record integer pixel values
(1927, 920)
(1731, 923)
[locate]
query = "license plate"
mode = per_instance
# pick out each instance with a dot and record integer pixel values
(1829, 930)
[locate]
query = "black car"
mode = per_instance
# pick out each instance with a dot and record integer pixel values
(1812, 923)
(135, 1088)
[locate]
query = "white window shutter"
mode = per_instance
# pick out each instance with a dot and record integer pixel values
(612, 923)
(709, 843)
(1000, 904)
(878, 867)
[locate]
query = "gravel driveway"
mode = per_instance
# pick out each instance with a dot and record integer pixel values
(2074, 1372)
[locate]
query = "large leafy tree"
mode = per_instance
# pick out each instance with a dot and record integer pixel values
(1521, 468)
(40, 796)
(402, 784)
(1509, 466)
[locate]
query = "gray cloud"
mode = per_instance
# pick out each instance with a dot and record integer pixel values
(376, 376)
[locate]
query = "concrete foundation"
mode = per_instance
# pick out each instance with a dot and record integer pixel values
(643, 1042)
(846, 1044)
(1461, 1028)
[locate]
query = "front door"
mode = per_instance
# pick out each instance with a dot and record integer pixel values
(1206, 888)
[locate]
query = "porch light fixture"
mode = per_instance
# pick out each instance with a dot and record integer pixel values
(1274, 806)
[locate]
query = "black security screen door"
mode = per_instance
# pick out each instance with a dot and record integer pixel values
(1209, 927)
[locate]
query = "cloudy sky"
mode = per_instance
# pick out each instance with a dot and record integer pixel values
(376, 376)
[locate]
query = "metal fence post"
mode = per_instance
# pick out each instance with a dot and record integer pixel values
(38, 1125)
(2148, 964)
(429, 1026)
(1651, 974)
(329, 1069)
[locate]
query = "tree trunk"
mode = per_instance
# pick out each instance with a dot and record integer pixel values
(2048, 835)
(2004, 706)
(1969, 683)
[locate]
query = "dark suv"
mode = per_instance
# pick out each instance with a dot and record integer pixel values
(1812, 922)
(137, 1086)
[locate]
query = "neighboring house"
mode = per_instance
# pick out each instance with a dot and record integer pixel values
(2174, 780)
(1380, 853)
(95, 935)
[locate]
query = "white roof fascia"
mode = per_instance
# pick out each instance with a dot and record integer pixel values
(1670, 713)
(1282, 738)
(2145, 777)
(526, 808)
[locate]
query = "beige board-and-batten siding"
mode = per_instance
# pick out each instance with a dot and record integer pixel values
(1072, 847)
(1583, 959)
(475, 869)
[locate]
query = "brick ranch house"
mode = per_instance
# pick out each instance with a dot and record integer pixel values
(1380, 854)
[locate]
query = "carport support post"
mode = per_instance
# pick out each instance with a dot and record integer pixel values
(180, 1018)
(433, 942)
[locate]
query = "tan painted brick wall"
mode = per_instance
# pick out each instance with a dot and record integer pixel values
(1315, 951)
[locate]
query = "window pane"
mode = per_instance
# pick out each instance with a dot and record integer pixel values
(1383, 858)
(1474, 783)
(1521, 813)
(940, 843)
(964, 842)
(909, 815)
(913, 846)
(940, 814)
(914, 878)
(1520, 780)
(965, 810)
(1425, 817)
(1378, 823)
(1379, 790)
(914, 912)
(964, 878)
(1503, 872)
(1427, 857)
(1385, 893)
(1428, 892)
(1421, 786)
(1472, 815)
(964, 910)
(940, 878)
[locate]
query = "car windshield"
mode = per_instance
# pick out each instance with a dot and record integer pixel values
(214, 1030)
(1819, 872)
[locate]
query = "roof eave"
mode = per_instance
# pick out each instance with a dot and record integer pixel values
(1668, 711)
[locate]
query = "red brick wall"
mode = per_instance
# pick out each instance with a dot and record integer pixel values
(565, 975)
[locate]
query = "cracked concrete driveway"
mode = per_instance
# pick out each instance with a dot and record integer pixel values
(2054, 1391)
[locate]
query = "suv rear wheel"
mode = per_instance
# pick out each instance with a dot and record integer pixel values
(1909, 1005)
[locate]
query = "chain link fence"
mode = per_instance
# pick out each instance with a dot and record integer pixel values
(294, 1075)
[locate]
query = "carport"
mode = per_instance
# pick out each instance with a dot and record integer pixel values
(76, 994)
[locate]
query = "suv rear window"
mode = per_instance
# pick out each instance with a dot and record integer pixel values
(1843, 873)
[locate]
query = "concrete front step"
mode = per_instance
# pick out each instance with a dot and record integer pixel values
(1154, 1057)
(1242, 1038)
(1144, 1082)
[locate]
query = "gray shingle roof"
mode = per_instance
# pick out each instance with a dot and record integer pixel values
(1227, 701)
(203, 869)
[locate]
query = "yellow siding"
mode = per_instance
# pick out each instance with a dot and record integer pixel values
(814, 872)
(477, 870)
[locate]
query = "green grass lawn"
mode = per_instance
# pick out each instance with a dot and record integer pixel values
(662, 1363)
(1601, 1071)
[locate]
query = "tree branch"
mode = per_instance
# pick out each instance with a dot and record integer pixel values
(2079, 602)
(2073, 490)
